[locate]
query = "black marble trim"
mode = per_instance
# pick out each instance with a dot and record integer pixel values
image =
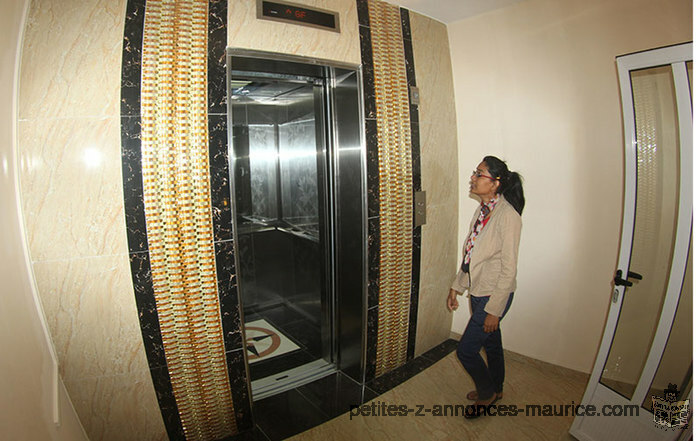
(368, 72)
(373, 240)
(222, 220)
(148, 312)
(131, 58)
(228, 295)
(216, 61)
(132, 180)
(371, 349)
(408, 47)
(238, 379)
(415, 155)
(372, 161)
(362, 13)
(417, 238)
(415, 285)
(372, 298)
(399, 375)
(406, 28)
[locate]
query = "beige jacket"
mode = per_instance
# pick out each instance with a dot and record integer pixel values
(494, 259)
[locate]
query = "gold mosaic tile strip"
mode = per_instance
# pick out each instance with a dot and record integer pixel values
(395, 185)
(175, 159)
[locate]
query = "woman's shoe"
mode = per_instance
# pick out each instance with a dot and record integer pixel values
(474, 395)
(479, 408)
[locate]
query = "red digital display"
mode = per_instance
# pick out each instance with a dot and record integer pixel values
(285, 12)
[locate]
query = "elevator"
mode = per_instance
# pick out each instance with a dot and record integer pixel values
(296, 157)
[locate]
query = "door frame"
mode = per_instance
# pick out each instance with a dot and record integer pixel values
(346, 167)
(676, 56)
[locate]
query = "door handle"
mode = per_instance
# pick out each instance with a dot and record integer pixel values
(632, 275)
(619, 281)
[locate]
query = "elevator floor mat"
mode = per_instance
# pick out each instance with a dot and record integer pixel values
(264, 341)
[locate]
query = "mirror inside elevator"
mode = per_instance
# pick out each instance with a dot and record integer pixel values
(285, 146)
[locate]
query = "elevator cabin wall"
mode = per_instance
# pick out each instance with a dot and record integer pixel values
(263, 202)
(278, 140)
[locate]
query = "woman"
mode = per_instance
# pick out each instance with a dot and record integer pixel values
(488, 270)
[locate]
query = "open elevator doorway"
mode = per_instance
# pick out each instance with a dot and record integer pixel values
(290, 138)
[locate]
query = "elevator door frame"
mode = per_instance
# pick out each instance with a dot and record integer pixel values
(347, 205)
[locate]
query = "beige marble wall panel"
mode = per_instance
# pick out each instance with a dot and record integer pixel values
(71, 59)
(118, 408)
(437, 273)
(71, 187)
(431, 52)
(438, 134)
(69, 150)
(91, 312)
(246, 31)
(438, 156)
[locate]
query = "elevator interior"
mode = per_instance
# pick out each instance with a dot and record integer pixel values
(296, 173)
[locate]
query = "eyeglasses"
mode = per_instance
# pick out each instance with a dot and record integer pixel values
(479, 174)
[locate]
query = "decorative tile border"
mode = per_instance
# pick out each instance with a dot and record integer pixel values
(375, 231)
(136, 217)
(177, 200)
(222, 242)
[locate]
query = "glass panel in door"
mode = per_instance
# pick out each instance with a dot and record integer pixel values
(658, 171)
(676, 365)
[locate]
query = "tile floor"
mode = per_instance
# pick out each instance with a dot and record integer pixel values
(320, 410)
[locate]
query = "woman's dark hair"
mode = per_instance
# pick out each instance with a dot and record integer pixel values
(511, 182)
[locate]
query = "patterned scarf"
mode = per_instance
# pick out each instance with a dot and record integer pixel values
(478, 226)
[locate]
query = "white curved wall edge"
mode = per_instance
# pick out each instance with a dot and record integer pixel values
(55, 397)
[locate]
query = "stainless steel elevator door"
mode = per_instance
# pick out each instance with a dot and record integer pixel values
(279, 140)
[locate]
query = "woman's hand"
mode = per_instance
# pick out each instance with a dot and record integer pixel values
(490, 323)
(452, 303)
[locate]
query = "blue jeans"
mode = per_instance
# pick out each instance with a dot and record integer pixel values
(488, 379)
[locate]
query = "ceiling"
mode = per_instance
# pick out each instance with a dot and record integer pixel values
(448, 11)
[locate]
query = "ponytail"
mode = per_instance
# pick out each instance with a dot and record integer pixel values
(513, 191)
(511, 183)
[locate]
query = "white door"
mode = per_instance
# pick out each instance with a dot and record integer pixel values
(647, 343)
